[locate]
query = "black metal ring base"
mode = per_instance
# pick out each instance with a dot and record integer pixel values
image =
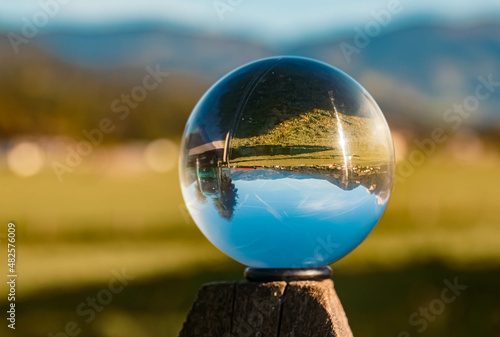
(287, 274)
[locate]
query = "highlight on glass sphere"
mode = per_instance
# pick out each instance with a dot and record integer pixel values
(286, 162)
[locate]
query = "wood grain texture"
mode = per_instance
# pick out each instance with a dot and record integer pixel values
(211, 313)
(313, 309)
(271, 309)
(257, 309)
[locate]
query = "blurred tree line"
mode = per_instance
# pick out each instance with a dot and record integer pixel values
(41, 95)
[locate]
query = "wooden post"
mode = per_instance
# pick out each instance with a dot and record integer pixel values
(271, 309)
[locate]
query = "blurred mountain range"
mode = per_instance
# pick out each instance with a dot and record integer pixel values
(414, 72)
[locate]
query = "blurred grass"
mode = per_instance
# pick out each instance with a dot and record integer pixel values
(378, 303)
(442, 222)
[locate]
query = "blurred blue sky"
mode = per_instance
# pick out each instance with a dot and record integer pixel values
(277, 21)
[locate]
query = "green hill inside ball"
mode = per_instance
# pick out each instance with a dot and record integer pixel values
(313, 138)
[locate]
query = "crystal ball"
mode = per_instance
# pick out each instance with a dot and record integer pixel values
(286, 162)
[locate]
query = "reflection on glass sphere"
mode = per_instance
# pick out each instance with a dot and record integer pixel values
(286, 162)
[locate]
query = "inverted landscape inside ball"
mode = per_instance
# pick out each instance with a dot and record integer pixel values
(286, 163)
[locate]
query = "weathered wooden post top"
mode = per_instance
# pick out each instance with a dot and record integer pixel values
(286, 165)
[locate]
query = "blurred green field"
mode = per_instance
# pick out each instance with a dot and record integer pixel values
(441, 223)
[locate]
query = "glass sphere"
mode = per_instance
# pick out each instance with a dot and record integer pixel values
(286, 162)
